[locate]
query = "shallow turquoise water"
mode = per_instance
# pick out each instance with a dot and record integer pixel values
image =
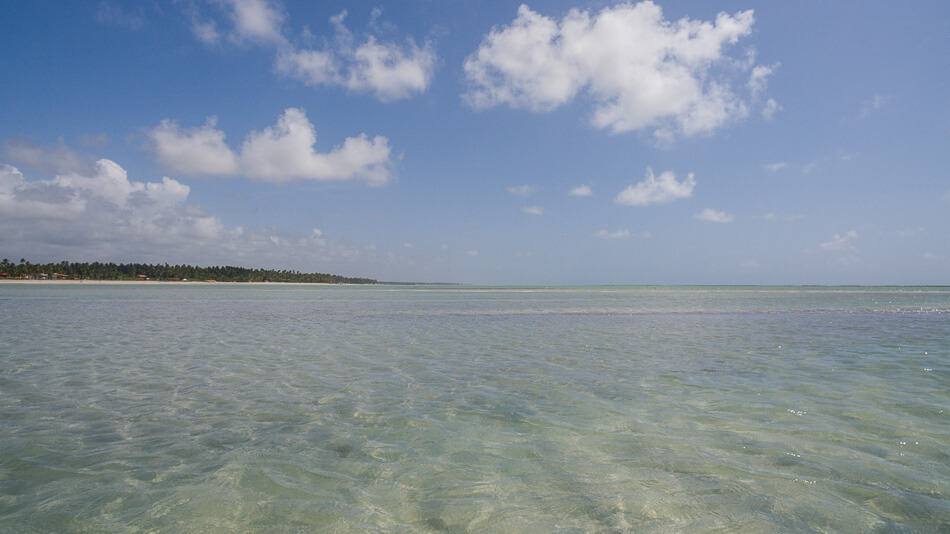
(452, 409)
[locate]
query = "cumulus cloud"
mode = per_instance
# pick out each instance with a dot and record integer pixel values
(775, 167)
(522, 190)
(533, 210)
(619, 234)
(640, 71)
(711, 215)
(581, 191)
(23, 200)
(278, 153)
(103, 215)
(657, 190)
(101, 209)
(109, 182)
(840, 242)
(196, 151)
(256, 20)
(388, 69)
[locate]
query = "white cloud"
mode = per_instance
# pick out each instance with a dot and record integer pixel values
(196, 151)
(285, 151)
(312, 67)
(25, 201)
(771, 108)
(653, 190)
(775, 167)
(533, 210)
(581, 191)
(759, 78)
(388, 69)
(640, 71)
(105, 216)
(841, 242)
(205, 31)
(256, 20)
(278, 153)
(110, 182)
(103, 210)
(712, 215)
(619, 234)
(472, 253)
(316, 237)
(522, 190)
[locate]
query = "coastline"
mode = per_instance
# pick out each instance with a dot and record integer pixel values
(160, 282)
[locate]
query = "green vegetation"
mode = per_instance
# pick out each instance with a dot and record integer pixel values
(138, 271)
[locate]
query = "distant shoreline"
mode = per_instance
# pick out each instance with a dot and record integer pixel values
(162, 282)
(400, 286)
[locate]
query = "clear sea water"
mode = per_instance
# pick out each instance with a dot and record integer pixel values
(221, 408)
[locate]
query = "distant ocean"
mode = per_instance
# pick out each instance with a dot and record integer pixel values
(279, 409)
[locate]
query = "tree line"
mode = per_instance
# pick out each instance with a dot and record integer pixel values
(136, 271)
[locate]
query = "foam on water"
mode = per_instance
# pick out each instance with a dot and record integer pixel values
(275, 409)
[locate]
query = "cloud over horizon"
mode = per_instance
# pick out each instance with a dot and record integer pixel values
(640, 71)
(840, 243)
(104, 216)
(100, 209)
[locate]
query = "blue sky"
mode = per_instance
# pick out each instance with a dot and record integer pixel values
(545, 143)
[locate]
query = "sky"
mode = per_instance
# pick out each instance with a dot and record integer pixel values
(556, 142)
